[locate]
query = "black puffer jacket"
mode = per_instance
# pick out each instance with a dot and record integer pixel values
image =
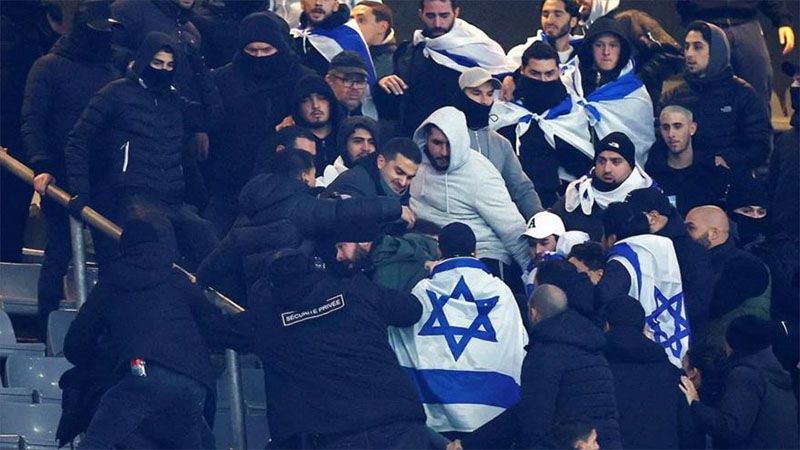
(132, 137)
(732, 121)
(311, 57)
(758, 408)
(60, 85)
(279, 212)
(147, 310)
(652, 410)
(564, 376)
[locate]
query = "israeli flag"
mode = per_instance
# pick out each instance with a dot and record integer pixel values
(466, 46)
(620, 105)
(656, 283)
(465, 354)
(516, 52)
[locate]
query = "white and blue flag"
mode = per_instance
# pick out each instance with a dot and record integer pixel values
(466, 46)
(619, 105)
(656, 282)
(465, 354)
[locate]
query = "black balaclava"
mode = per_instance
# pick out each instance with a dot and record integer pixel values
(155, 79)
(747, 191)
(259, 27)
(539, 96)
(476, 113)
(90, 38)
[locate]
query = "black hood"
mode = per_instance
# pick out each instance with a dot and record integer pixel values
(265, 191)
(84, 44)
(347, 127)
(314, 84)
(765, 362)
(172, 10)
(626, 344)
(336, 19)
(141, 267)
(603, 25)
(151, 45)
(569, 328)
(719, 59)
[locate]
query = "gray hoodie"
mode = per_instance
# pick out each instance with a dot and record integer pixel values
(471, 191)
(500, 153)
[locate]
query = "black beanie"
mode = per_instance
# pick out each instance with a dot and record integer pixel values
(649, 199)
(259, 27)
(617, 142)
(456, 239)
(748, 334)
(625, 311)
(137, 232)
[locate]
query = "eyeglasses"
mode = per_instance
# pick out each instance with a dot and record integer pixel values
(352, 82)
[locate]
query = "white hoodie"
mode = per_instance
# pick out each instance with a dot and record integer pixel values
(470, 191)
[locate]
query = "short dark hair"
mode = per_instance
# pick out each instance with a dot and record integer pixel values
(591, 254)
(570, 6)
(539, 50)
(291, 163)
(401, 146)
(286, 137)
(567, 432)
(381, 11)
(702, 28)
(621, 220)
(455, 3)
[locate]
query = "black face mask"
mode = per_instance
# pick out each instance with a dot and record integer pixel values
(155, 79)
(539, 96)
(477, 114)
(748, 228)
(91, 39)
(265, 67)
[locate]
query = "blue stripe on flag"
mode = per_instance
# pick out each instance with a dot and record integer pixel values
(559, 110)
(617, 89)
(350, 40)
(455, 263)
(458, 59)
(624, 250)
(436, 386)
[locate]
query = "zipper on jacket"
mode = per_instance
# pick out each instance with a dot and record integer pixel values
(126, 149)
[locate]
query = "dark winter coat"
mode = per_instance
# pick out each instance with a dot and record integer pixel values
(564, 376)
(219, 25)
(149, 311)
(132, 137)
(702, 183)
(335, 372)
(758, 408)
(652, 410)
(727, 12)
(430, 87)
(279, 212)
(577, 220)
(60, 85)
(310, 56)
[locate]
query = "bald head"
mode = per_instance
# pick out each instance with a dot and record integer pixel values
(708, 225)
(547, 301)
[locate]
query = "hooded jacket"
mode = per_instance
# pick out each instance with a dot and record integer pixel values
(132, 136)
(470, 191)
(398, 262)
(279, 212)
(147, 310)
(732, 121)
(591, 77)
(60, 85)
(327, 150)
(311, 57)
(758, 408)
(254, 104)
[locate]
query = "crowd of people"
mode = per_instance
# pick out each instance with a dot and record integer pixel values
(589, 241)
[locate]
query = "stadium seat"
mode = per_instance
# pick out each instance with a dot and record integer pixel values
(255, 397)
(35, 423)
(40, 373)
(18, 287)
(57, 326)
(9, 344)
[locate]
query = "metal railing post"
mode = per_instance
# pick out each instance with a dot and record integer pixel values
(236, 400)
(78, 259)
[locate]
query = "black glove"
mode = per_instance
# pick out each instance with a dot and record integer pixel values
(76, 205)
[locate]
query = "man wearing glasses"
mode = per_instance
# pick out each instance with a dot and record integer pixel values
(347, 77)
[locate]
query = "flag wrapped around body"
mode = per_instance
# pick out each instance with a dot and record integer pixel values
(619, 105)
(465, 354)
(466, 46)
(656, 282)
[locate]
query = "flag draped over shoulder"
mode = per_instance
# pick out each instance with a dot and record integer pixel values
(656, 282)
(620, 105)
(465, 354)
(466, 46)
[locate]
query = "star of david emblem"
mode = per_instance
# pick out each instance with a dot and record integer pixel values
(458, 338)
(672, 308)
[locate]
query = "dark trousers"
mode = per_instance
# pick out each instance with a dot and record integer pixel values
(397, 435)
(750, 57)
(161, 410)
(57, 255)
(179, 226)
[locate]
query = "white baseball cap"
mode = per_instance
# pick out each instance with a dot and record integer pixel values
(544, 224)
(475, 77)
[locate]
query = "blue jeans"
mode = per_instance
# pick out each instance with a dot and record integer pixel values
(161, 410)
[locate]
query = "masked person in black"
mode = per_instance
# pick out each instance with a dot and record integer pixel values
(59, 87)
(746, 205)
(125, 152)
(254, 91)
